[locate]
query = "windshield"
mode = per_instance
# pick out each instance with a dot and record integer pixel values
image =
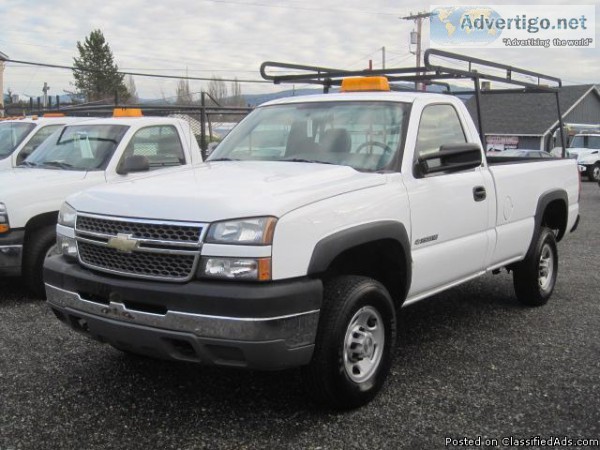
(362, 135)
(78, 147)
(11, 135)
(585, 141)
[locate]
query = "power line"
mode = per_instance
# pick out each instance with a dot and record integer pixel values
(137, 74)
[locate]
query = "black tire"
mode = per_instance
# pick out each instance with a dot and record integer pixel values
(534, 277)
(337, 377)
(37, 246)
(593, 172)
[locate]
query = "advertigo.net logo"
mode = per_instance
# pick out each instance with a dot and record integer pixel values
(505, 26)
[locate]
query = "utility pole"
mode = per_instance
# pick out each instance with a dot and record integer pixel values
(383, 57)
(418, 19)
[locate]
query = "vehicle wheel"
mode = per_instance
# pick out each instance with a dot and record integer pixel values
(594, 172)
(40, 245)
(534, 278)
(354, 344)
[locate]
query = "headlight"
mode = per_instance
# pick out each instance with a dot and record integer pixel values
(254, 231)
(4, 227)
(251, 269)
(67, 215)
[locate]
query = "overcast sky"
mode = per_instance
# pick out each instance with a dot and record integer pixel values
(230, 38)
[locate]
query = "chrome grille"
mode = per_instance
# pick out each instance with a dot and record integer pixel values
(166, 251)
(140, 230)
(155, 265)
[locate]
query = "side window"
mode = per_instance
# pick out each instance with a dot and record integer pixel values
(42, 134)
(439, 125)
(160, 144)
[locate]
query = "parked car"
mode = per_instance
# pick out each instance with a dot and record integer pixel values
(19, 137)
(524, 153)
(77, 156)
(312, 223)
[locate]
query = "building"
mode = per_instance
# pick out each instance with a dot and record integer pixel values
(531, 120)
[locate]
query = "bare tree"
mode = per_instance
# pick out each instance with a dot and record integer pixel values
(217, 90)
(236, 98)
(131, 89)
(184, 96)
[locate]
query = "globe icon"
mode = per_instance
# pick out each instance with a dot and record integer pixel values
(464, 26)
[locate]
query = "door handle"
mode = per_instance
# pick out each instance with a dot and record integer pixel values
(479, 193)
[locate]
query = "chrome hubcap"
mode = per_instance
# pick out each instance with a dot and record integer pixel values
(596, 173)
(363, 344)
(546, 268)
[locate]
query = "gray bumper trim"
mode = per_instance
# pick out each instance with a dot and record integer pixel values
(10, 259)
(296, 330)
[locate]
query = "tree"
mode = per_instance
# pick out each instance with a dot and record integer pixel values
(184, 96)
(217, 90)
(131, 90)
(95, 72)
(236, 98)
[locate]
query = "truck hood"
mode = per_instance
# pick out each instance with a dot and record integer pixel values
(579, 151)
(29, 181)
(224, 190)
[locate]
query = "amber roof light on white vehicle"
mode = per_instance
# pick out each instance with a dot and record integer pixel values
(360, 84)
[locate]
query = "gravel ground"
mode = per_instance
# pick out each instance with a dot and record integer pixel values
(471, 362)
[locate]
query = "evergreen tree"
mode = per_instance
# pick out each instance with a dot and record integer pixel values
(95, 72)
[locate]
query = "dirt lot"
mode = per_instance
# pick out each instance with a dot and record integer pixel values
(471, 362)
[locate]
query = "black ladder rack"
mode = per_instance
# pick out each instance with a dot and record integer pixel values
(440, 67)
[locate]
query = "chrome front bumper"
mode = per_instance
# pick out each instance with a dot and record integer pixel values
(260, 343)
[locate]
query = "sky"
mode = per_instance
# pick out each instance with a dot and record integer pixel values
(231, 38)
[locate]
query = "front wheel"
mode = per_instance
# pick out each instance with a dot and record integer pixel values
(534, 277)
(354, 344)
(594, 172)
(40, 245)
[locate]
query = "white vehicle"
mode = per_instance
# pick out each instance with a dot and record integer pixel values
(585, 148)
(313, 222)
(21, 136)
(78, 156)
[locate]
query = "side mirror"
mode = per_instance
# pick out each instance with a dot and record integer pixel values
(450, 158)
(133, 163)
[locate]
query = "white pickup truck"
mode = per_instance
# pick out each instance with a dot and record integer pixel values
(296, 244)
(586, 148)
(21, 136)
(78, 156)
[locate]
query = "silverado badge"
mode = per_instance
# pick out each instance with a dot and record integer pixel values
(123, 243)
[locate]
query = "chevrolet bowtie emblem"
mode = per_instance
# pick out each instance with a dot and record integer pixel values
(123, 243)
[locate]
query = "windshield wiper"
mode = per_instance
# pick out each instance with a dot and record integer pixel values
(28, 164)
(222, 159)
(60, 164)
(312, 161)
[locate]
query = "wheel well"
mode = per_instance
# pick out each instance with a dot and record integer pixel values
(41, 221)
(555, 217)
(382, 260)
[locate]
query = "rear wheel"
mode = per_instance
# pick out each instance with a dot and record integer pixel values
(40, 245)
(534, 278)
(354, 345)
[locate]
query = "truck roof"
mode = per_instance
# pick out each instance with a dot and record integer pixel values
(392, 96)
(134, 121)
(43, 120)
